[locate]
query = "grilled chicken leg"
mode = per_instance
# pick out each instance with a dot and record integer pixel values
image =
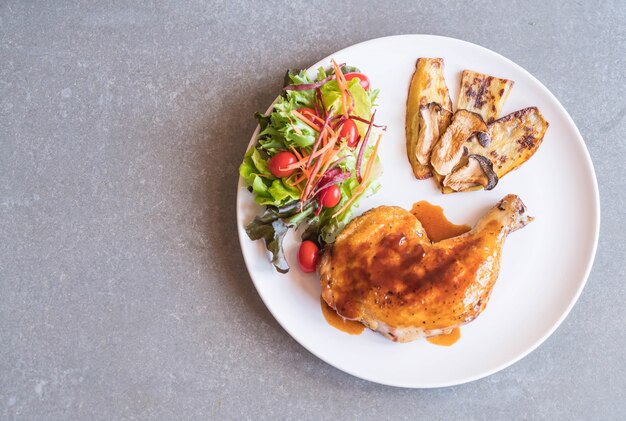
(384, 271)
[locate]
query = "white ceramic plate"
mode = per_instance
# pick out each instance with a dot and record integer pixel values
(544, 266)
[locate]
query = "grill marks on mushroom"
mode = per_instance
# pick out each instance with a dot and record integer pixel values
(447, 153)
(433, 120)
(483, 94)
(429, 110)
(514, 139)
(478, 171)
(471, 149)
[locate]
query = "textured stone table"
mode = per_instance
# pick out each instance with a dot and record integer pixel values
(123, 292)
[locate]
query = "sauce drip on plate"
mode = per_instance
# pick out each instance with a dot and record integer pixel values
(338, 322)
(446, 339)
(435, 223)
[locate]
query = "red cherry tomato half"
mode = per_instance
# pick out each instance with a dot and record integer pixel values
(330, 196)
(364, 81)
(307, 256)
(350, 132)
(278, 164)
(308, 113)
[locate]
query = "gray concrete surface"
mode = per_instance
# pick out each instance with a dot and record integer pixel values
(123, 293)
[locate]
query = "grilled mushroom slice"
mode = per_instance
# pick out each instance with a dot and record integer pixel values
(427, 86)
(448, 151)
(514, 139)
(478, 171)
(433, 120)
(483, 94)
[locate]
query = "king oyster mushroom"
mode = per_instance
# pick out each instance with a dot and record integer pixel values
(483, 94)
(448, 151)
(478, 171)
(433, 120)
(427, 86)
(514, 138)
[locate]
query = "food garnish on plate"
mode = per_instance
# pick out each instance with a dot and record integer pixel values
(315, 156)
(428, 114)
(514, 139)
(475, 149)
(483, 94)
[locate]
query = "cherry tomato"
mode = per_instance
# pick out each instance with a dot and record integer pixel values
(308, 113)
(364, 81)
(330, 196)
(278, 164)
(350, 132)
(307, 256)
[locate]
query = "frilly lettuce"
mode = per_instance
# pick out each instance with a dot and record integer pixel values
(280, 130)
(267, 189)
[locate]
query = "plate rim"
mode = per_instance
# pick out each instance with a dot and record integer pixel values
(589, 264)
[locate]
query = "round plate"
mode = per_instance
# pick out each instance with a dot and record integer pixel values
(544, 266)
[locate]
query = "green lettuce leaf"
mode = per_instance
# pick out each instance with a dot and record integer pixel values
(267, 189)
(362, 102)
(272, 226)
(284, 130)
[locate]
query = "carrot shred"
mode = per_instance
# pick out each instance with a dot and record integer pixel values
(300, 178)
(302, 162)
(299, 164)
(330, 131)
(316, 168)
(343, 87)
(290, 182)
(307, 121)
(323, 149)
(330, 158)
(317, 118)
(295, 128)
(295, 152)
(320, 137)
(362, 186)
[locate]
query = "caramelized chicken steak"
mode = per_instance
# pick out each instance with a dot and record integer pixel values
(384, 271)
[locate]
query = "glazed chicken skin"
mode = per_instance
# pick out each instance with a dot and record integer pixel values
(384, 271)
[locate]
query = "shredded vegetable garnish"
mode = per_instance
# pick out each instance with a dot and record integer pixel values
(320, 137)
(361, 188)
(307, 86)
(312, 125)
(362, 148)
(313, 142)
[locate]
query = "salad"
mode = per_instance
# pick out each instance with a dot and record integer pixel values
(314, 158)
